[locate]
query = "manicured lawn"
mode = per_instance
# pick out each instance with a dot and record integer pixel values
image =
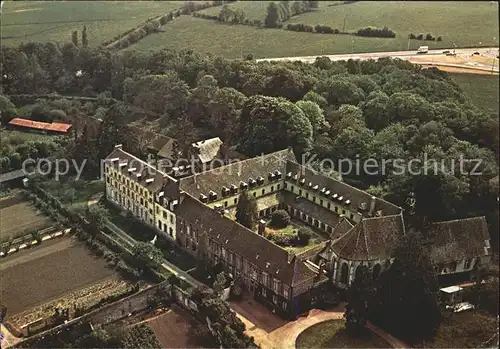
(468, 329)
(331, 334)
(55, 20)
(462, 23)
(290, 230)
(482, 89)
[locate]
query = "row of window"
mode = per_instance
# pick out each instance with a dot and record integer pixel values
(263, 192)
(284, 304)
(336, 208)
(129, 184)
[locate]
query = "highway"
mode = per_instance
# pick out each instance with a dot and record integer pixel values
(464, 57)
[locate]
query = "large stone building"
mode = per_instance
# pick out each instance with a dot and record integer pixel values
(197, 212)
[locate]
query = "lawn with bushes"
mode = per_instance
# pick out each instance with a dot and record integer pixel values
(290, 235)
(331, 334)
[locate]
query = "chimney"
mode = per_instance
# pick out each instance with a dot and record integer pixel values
(118, 146)
(291, 258)
(262, 227)
(372, 206)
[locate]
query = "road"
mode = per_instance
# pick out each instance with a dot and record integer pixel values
(433, 57)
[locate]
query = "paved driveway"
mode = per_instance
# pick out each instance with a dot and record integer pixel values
(272, 332)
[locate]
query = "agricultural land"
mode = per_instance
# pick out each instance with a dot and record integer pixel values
(19, 216)
(25, 21)
(58, 273)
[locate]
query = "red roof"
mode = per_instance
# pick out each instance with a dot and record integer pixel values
(54, 126)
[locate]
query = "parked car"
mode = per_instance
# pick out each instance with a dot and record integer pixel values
(476, 53)
(446, 51)
(451, 53)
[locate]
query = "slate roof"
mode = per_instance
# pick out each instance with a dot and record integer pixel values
(371, 239)
(208, 149)
(160, 179)
(236, 172)
(161, 145)
(255, 248)
(356, 196)
(310, 208)
(342, 227)
(458, 239)
(9, 176)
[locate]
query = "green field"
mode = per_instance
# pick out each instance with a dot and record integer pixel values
(462, 23)
(37, 21)
(481, 89)
(331, 334)
(254, 9)
(231, 41)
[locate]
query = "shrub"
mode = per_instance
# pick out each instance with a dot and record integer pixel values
(412, 36)
(283, 239)
(376, 32)
(324, 29)
(429, 37)
(280, 219)
(304, 235)
(439, 38)
(420, 37)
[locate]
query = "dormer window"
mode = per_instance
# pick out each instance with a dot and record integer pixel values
(316, 187)
(289, 175)
(327, 193)
(323, 190)
(271, 176)
(296, 177)
(203, 198)
(225, 191)
(260, 180)
(234, 189)
(340, 198)
(335, 196)
(252, 182)
(277, 174)
(302, 181)
(347, 202)
(212, 195)
(243, 185)
(268, 264)
(310, 184)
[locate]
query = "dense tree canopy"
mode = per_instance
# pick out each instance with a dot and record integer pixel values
(387, 108)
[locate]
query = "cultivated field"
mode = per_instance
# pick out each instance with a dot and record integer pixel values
(18, 216)
(48, 272)
(174, 329)
(460, 23)
(55, 20)
(482, 90)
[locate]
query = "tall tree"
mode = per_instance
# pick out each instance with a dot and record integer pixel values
(272, 19)
(358, 297)
(74, 37)
(406, 302)
(85, 41)
(246, 211)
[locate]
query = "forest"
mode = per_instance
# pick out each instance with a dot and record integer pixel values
(385, 109)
